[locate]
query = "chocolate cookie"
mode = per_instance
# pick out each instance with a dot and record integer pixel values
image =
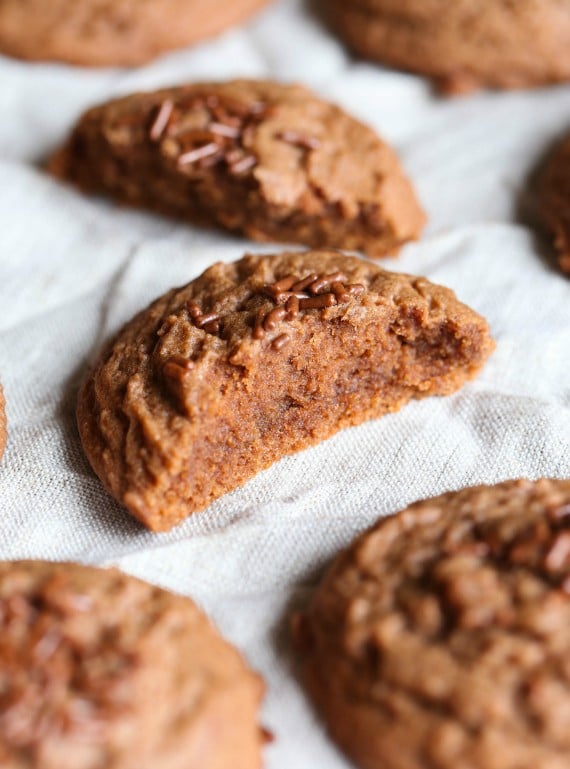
(464, 44)
(441, 637)
(268, 160)
(554, 200)
(98, 669)
(258, 359)
(112, 32)
(3, 425)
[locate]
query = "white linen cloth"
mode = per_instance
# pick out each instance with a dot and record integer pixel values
(73, 269)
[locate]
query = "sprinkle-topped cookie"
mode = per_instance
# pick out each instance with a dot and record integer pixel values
(258, 359)
(268, 160)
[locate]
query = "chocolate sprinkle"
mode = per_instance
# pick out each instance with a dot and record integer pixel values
(319, 285)
(292, 307)
(280, 342)
(209, 322)
(198, 154)
(161, 120)
(273, 318)
(243, 165)
(194, 310)
(558, 557)
(222, 129)
(339, 290)
(299, 140)
(213, 327)
(204, 320)
(318, 302)
(284, 284)
(302, 284)
(258, 330)
(177, 367)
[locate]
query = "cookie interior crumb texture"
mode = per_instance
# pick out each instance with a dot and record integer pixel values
(268, 160)
(3, 422)
(464, 44)
(258, 359)
(112, 32)
(554, 200)
(441, 638)
(99, 670)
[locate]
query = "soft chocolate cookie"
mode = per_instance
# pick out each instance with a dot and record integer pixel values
(3, 425)
(464, 44)
(554, 200)
(268, 160)
(101, 671)
(441, 637)
(112, 32)
(258, 359)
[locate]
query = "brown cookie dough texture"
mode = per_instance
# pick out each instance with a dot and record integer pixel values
(464, 44)
(271, 161)
(258, 359)
(554, 200)
(112, 32)
(3, 424)
(441, 638)
(100, 670)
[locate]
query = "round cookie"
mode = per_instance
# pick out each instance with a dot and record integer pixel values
(464, 44)
(554, 200)
(98, 669)
(441, 637)
(117, 33)
(3, 425)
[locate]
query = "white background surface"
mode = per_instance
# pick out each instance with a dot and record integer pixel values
(72, 270)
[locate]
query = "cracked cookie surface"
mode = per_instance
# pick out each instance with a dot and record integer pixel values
(258, 359)
(98, 669)
(441, 638)
(270, 161)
